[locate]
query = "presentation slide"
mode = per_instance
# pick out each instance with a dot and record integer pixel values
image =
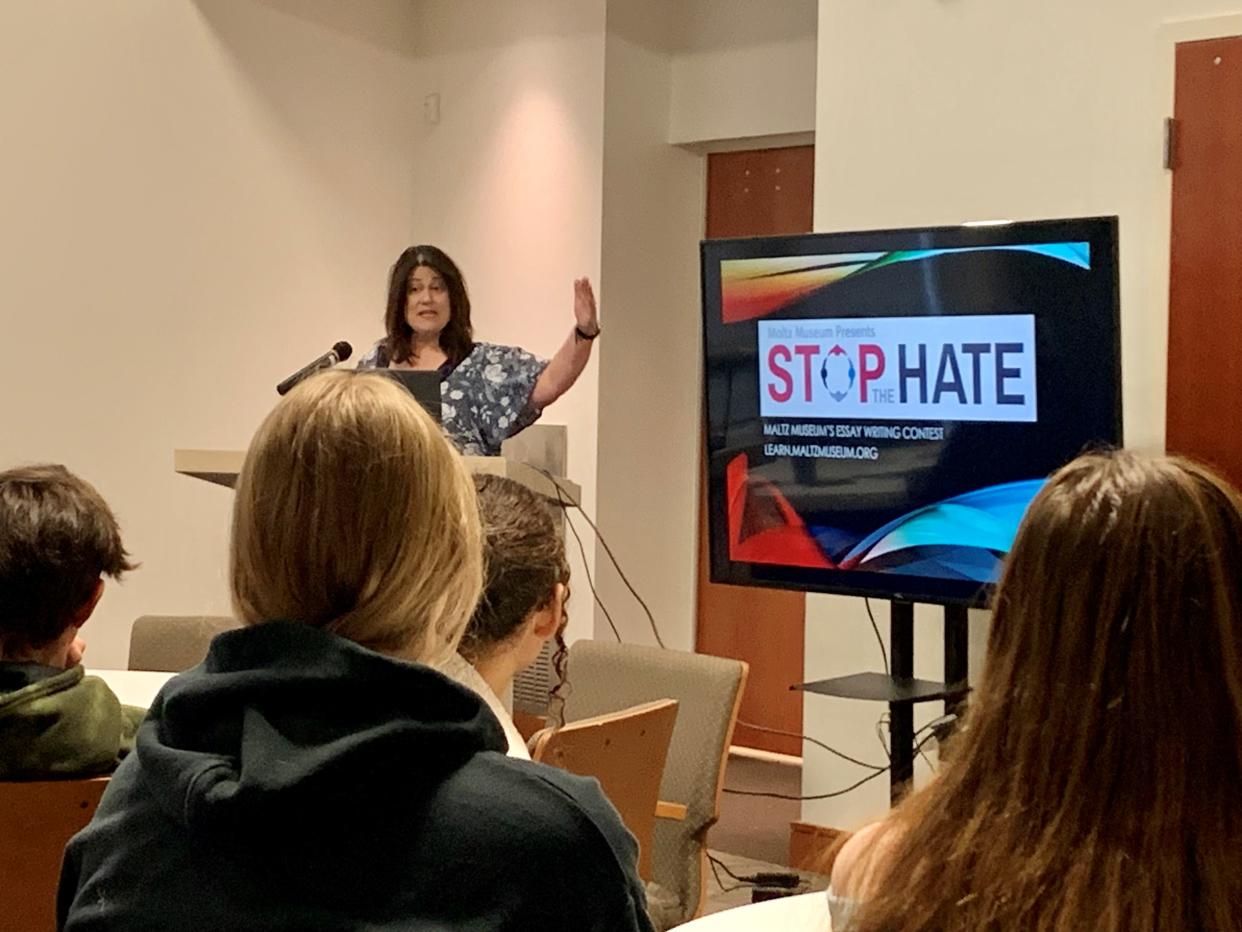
(879, 419)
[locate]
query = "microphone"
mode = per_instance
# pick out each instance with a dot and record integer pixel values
(339, 353)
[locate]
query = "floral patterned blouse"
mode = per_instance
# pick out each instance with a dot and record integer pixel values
(486, 398)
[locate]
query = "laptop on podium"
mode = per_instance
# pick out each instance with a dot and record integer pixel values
(424, 385)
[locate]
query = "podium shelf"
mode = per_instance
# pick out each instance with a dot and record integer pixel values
(220, 467)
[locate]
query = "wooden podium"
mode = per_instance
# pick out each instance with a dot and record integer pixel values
(528, 458)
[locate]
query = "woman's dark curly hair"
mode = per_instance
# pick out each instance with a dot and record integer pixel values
(525, 559)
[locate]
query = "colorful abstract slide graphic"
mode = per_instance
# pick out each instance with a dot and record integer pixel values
(960, 538)
(751, 288)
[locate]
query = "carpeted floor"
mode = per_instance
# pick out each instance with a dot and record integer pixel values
(725, 892)
(752, 835)
(757, 826)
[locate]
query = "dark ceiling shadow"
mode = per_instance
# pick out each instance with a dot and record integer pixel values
(326, 75)
(385, 24)
(451, 26)
(722, 24)
(412, 28)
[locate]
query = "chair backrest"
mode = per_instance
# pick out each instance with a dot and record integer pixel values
(604, 677)
(626, 752)
(172, 643)
(37, 819)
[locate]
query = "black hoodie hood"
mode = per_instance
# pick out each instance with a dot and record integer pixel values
(296, 782)
(282, 720)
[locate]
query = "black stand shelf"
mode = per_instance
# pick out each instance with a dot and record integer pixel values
(901, 690)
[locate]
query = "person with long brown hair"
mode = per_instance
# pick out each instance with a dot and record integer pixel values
(1095, 784)
(488, 391)
(523, 600)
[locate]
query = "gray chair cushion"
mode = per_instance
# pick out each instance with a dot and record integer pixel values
(604, 677)
(172, 643)
(664, 907)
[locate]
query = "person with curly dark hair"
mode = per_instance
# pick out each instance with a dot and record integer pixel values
(523, 601)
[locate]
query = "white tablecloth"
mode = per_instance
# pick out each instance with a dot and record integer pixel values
(132, 687)
(805, 913)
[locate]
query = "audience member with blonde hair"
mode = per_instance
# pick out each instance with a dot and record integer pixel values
(314, 772)
(523, 601)
(1096, 783)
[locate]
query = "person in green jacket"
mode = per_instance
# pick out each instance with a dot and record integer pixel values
(58, 539)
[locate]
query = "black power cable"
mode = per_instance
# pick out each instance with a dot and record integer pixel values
(879, 733)
(566, 501)
(715, 863)
(834, 793)
(814, 741)
(934, 723)
(585, 565)
(786, 880)
(608, 550)
(879, 640)
(841, 792)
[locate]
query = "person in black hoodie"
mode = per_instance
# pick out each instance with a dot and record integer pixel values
(313, 772)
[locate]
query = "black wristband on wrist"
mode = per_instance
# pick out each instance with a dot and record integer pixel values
(583, 335)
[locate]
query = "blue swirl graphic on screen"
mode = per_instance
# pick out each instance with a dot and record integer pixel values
(1078, 254)
(963, 537)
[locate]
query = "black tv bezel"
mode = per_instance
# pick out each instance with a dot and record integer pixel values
(1100, 231)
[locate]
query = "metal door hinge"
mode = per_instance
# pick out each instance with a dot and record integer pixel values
(1170, 143)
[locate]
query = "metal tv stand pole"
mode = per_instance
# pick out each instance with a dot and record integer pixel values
(901, 690)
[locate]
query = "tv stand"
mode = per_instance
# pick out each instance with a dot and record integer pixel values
(901, 690)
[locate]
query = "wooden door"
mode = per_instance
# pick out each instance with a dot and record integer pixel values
(764, 192)
(1204, 418)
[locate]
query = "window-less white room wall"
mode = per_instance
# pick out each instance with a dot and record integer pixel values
(198, 197)
(202, 195)
(649, 404)
(654, 205)
(742, 69)
(552, 158)
(509, 183)
(946, 112)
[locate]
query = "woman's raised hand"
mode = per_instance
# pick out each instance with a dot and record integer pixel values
(586, 314)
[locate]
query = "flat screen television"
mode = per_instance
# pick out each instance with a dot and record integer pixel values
(882, 406)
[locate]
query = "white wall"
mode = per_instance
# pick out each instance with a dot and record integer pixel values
(198, 197)
(693, 72)
(649, 404)
(509, 184)
(742, 93)
(741, 69)
(945, 112)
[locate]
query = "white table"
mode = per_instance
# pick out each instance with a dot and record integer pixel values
(133, 687)
(805, 913)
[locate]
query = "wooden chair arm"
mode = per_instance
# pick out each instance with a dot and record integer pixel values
(674, 811)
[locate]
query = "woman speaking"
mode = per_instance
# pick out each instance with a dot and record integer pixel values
(488, 392)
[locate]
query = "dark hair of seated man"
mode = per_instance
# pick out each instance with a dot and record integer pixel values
(58, 539)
